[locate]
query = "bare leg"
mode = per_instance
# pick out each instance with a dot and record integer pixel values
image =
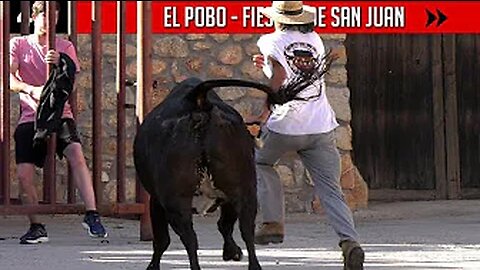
(25, 174)
(81, 174)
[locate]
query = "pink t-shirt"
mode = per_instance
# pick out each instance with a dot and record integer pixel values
(30, 57)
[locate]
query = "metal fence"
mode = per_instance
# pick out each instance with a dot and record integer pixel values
(48, 204)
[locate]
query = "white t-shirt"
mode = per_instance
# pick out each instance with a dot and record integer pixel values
(297, 117)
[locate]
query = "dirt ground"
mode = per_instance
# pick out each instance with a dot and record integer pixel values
(400, 235)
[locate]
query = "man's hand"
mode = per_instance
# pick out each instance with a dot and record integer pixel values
(52, 57)
(258, 60)
(35, 92)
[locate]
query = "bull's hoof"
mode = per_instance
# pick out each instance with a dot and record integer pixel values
(152, 266)
(232, 253)
(255, 266)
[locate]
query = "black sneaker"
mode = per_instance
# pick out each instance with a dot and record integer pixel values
(35, 235)
(93, 225)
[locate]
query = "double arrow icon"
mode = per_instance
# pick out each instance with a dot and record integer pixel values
(431, 17)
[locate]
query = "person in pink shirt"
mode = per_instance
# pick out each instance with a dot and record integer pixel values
(29, 57)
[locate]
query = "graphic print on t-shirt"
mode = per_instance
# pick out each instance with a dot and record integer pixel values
(301, 57)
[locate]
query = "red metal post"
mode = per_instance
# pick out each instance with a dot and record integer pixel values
(5, 102)
(40, 209)
(25, 24)
(97, 99)
(144, 94)
(49, 187)
(72, 35)
(121, 140)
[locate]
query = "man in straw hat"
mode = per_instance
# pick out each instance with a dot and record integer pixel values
(306, 126)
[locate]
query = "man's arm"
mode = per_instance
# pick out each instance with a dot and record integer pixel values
(279, 74)
(18, 86)
(275, 83)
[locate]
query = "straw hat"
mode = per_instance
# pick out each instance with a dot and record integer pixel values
(290, 12)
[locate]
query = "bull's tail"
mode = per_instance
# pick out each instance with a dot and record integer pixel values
(287, 92)
(199, 94)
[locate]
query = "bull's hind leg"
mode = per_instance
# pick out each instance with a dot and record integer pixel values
(161, 238)
(179, 214)
(228, 217)
(248, 212)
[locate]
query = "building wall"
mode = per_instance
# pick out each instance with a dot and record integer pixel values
(176, 57)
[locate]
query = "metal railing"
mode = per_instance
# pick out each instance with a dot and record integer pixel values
(48, 204)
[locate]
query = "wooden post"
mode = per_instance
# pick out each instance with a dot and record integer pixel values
(438, 118)
(451, 117)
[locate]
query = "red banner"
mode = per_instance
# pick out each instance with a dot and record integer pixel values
(409, 17)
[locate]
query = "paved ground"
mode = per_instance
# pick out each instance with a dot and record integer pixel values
(403, 235)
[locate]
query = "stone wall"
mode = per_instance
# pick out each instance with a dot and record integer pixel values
(176, 57)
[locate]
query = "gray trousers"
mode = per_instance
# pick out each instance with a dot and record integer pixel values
(321, 158)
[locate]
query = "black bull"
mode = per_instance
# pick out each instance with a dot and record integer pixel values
(190, 134)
